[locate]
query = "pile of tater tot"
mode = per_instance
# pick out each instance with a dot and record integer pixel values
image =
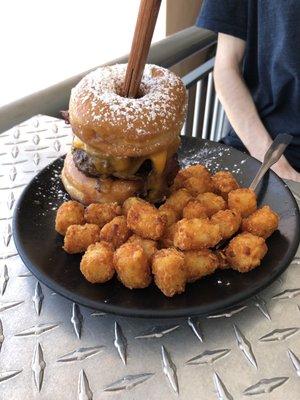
(207, 222)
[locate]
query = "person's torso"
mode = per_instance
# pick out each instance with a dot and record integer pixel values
(272, 63)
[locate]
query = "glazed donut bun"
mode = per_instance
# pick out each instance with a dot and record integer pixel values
(121, 126)
(124, 146)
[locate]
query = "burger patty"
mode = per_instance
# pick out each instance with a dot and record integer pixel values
(84, 163)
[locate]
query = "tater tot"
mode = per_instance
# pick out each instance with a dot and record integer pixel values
(168, 238)
(223, 183)
(132, 266)
(243, 200)
(199, 263)
(116, 231)
(101, 214)
(79, 237)
(196, 185)
(212, 202)
(97, 263)
(222, 260)
(195, 234)
(144, 220)
(170, 213)
(130, 202)
(149, 246)
(196, 179)
(69, 213)
(178, 200)
(263, 222)
(194, 209)
(229, 222)
(245, 252)
(169, 271)
(185, 173)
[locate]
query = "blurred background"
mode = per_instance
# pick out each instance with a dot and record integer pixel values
(45, 42)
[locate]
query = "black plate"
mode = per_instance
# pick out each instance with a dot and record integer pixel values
(40, 247)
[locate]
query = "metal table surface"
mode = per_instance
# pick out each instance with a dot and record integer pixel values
(53, 349)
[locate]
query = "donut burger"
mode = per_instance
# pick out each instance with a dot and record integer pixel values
(122, 146)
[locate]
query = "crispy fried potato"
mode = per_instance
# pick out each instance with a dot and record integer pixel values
(116, 231)
(101, 214)
(223, 183)
(195, 234)
(178, 200)
(263, 222)
(199, 263)
(222, 260)
(245, 251)
(132, 266)
(149, 246)
(197, 185)
(194, 209)
(130, 202)
(168, 238)
(79, 237)
(212, 202)
(196, 179)
(69, 213)
(170, 213)
(145, 220)
(169, 271)
(242, 200)
(229, 222)
(188, 172)
(97, 263)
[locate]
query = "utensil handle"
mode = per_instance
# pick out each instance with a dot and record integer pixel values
(273, 154)
(143, 33)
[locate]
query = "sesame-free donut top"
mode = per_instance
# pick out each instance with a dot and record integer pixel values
(124, 127)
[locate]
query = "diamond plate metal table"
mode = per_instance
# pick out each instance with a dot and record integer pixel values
(52, 349)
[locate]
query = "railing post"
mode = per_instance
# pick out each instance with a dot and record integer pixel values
(200, 107)
(190, 111)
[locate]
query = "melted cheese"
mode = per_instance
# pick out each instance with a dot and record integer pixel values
(78, 144)
(159, 161)
(124, 165)
(121, 164)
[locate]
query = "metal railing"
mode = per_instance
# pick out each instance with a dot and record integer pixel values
(205, 116)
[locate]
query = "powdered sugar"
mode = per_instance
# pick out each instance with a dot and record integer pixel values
(158, 103)
(214, 156)
(55, 193)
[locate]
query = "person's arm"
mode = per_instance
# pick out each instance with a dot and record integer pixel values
(239, 105)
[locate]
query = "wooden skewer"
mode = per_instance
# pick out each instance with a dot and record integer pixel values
(143, 33)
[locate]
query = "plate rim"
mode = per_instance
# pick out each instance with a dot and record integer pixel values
(216, 306)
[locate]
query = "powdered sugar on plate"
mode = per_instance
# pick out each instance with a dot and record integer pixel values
(212, 155)
(55, 191)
